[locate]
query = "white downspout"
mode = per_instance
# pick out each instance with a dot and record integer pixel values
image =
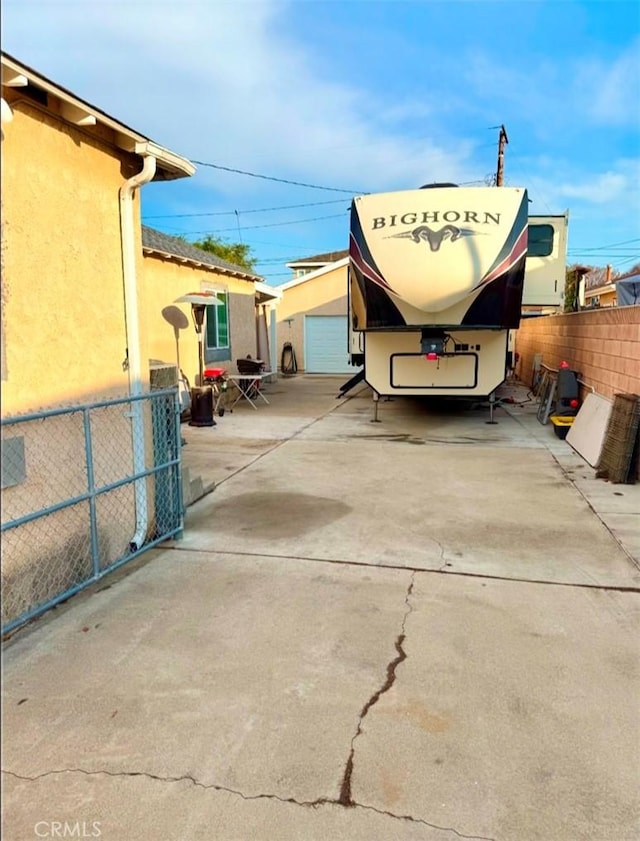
(127, 233)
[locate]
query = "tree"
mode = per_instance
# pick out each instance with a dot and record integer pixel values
(233, 252)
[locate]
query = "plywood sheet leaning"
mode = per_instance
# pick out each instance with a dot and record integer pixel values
(588, 430)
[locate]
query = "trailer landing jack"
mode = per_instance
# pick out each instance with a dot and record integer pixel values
(376, 400)
(492, 405)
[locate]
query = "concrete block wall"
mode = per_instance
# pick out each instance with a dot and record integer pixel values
(603, 345)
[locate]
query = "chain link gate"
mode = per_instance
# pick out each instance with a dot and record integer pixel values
(84, 490)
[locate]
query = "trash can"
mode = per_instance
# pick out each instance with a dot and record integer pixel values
(202, 406)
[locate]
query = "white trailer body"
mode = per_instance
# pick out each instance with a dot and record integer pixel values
(435, 284)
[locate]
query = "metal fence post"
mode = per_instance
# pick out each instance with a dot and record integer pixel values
(93, 520)
(179, 502)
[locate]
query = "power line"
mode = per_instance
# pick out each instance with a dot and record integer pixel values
(628, 260)
(280, 180)
(299, 183)
(232, 212)
(604, 247)
(269, 225)
(610, 257)
(274, 260)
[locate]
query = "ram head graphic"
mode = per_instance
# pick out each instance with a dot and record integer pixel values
(423, 233)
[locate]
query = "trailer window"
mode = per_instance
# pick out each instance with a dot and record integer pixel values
(540, 241)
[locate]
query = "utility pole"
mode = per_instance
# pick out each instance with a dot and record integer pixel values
(502, 141)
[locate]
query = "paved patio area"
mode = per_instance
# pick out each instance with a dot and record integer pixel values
(425, 628)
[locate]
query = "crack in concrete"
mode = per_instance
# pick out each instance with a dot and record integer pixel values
(545, 444)
(579, 490)
(483, 576)
(411, 819)
(345, 798)
(314, 804)
(183, 778)
(444, 561)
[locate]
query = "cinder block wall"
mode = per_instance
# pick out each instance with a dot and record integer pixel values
(603, 345)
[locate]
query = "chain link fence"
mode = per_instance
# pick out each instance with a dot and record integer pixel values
(84, 490)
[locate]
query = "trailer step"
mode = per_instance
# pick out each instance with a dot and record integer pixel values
(346, 388)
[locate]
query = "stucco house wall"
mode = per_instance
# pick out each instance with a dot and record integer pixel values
(64, 331)
(63, 319)
(321, 293)
(605, 295)
(65, 231)
(165, 280)
(167, 276)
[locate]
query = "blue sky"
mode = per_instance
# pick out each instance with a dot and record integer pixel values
(361, 97)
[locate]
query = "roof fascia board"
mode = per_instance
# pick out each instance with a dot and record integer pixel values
(600, 290)
(170, 160)
(180, 258)
(273, 292)
(297, 281)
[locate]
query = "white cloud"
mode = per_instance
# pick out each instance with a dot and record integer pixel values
(233, 83)
(612, 193)
(610, 90)
(601, 189)
(224, 82)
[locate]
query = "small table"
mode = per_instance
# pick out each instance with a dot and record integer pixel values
(249, 386)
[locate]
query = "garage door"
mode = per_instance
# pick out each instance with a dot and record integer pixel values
(325, 349)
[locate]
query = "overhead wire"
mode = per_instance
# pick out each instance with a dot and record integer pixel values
(268, 225)
(280, 180)
(604, 247)
(253, 210)
(584, 252)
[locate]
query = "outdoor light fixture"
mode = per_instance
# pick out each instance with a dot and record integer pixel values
(199, 301)
(201, 397)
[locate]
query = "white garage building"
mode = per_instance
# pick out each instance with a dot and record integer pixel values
(312, 314)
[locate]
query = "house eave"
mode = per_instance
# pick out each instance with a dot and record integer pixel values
(297, 281)
(600, 290)
(178, 258)
(78, 112)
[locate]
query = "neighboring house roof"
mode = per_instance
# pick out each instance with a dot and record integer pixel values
(155, 242)
(297, 281)
(612, 286)
(78, 112)
(320, 259)
(600, 290)
(633, 275)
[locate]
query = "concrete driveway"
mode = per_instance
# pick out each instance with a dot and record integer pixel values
(425, 628)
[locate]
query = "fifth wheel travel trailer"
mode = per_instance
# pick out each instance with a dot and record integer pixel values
(437, 282)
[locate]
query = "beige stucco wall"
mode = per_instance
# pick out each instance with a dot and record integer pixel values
(323, 295)
(63, 305)
(603, 345)
(165, 281)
